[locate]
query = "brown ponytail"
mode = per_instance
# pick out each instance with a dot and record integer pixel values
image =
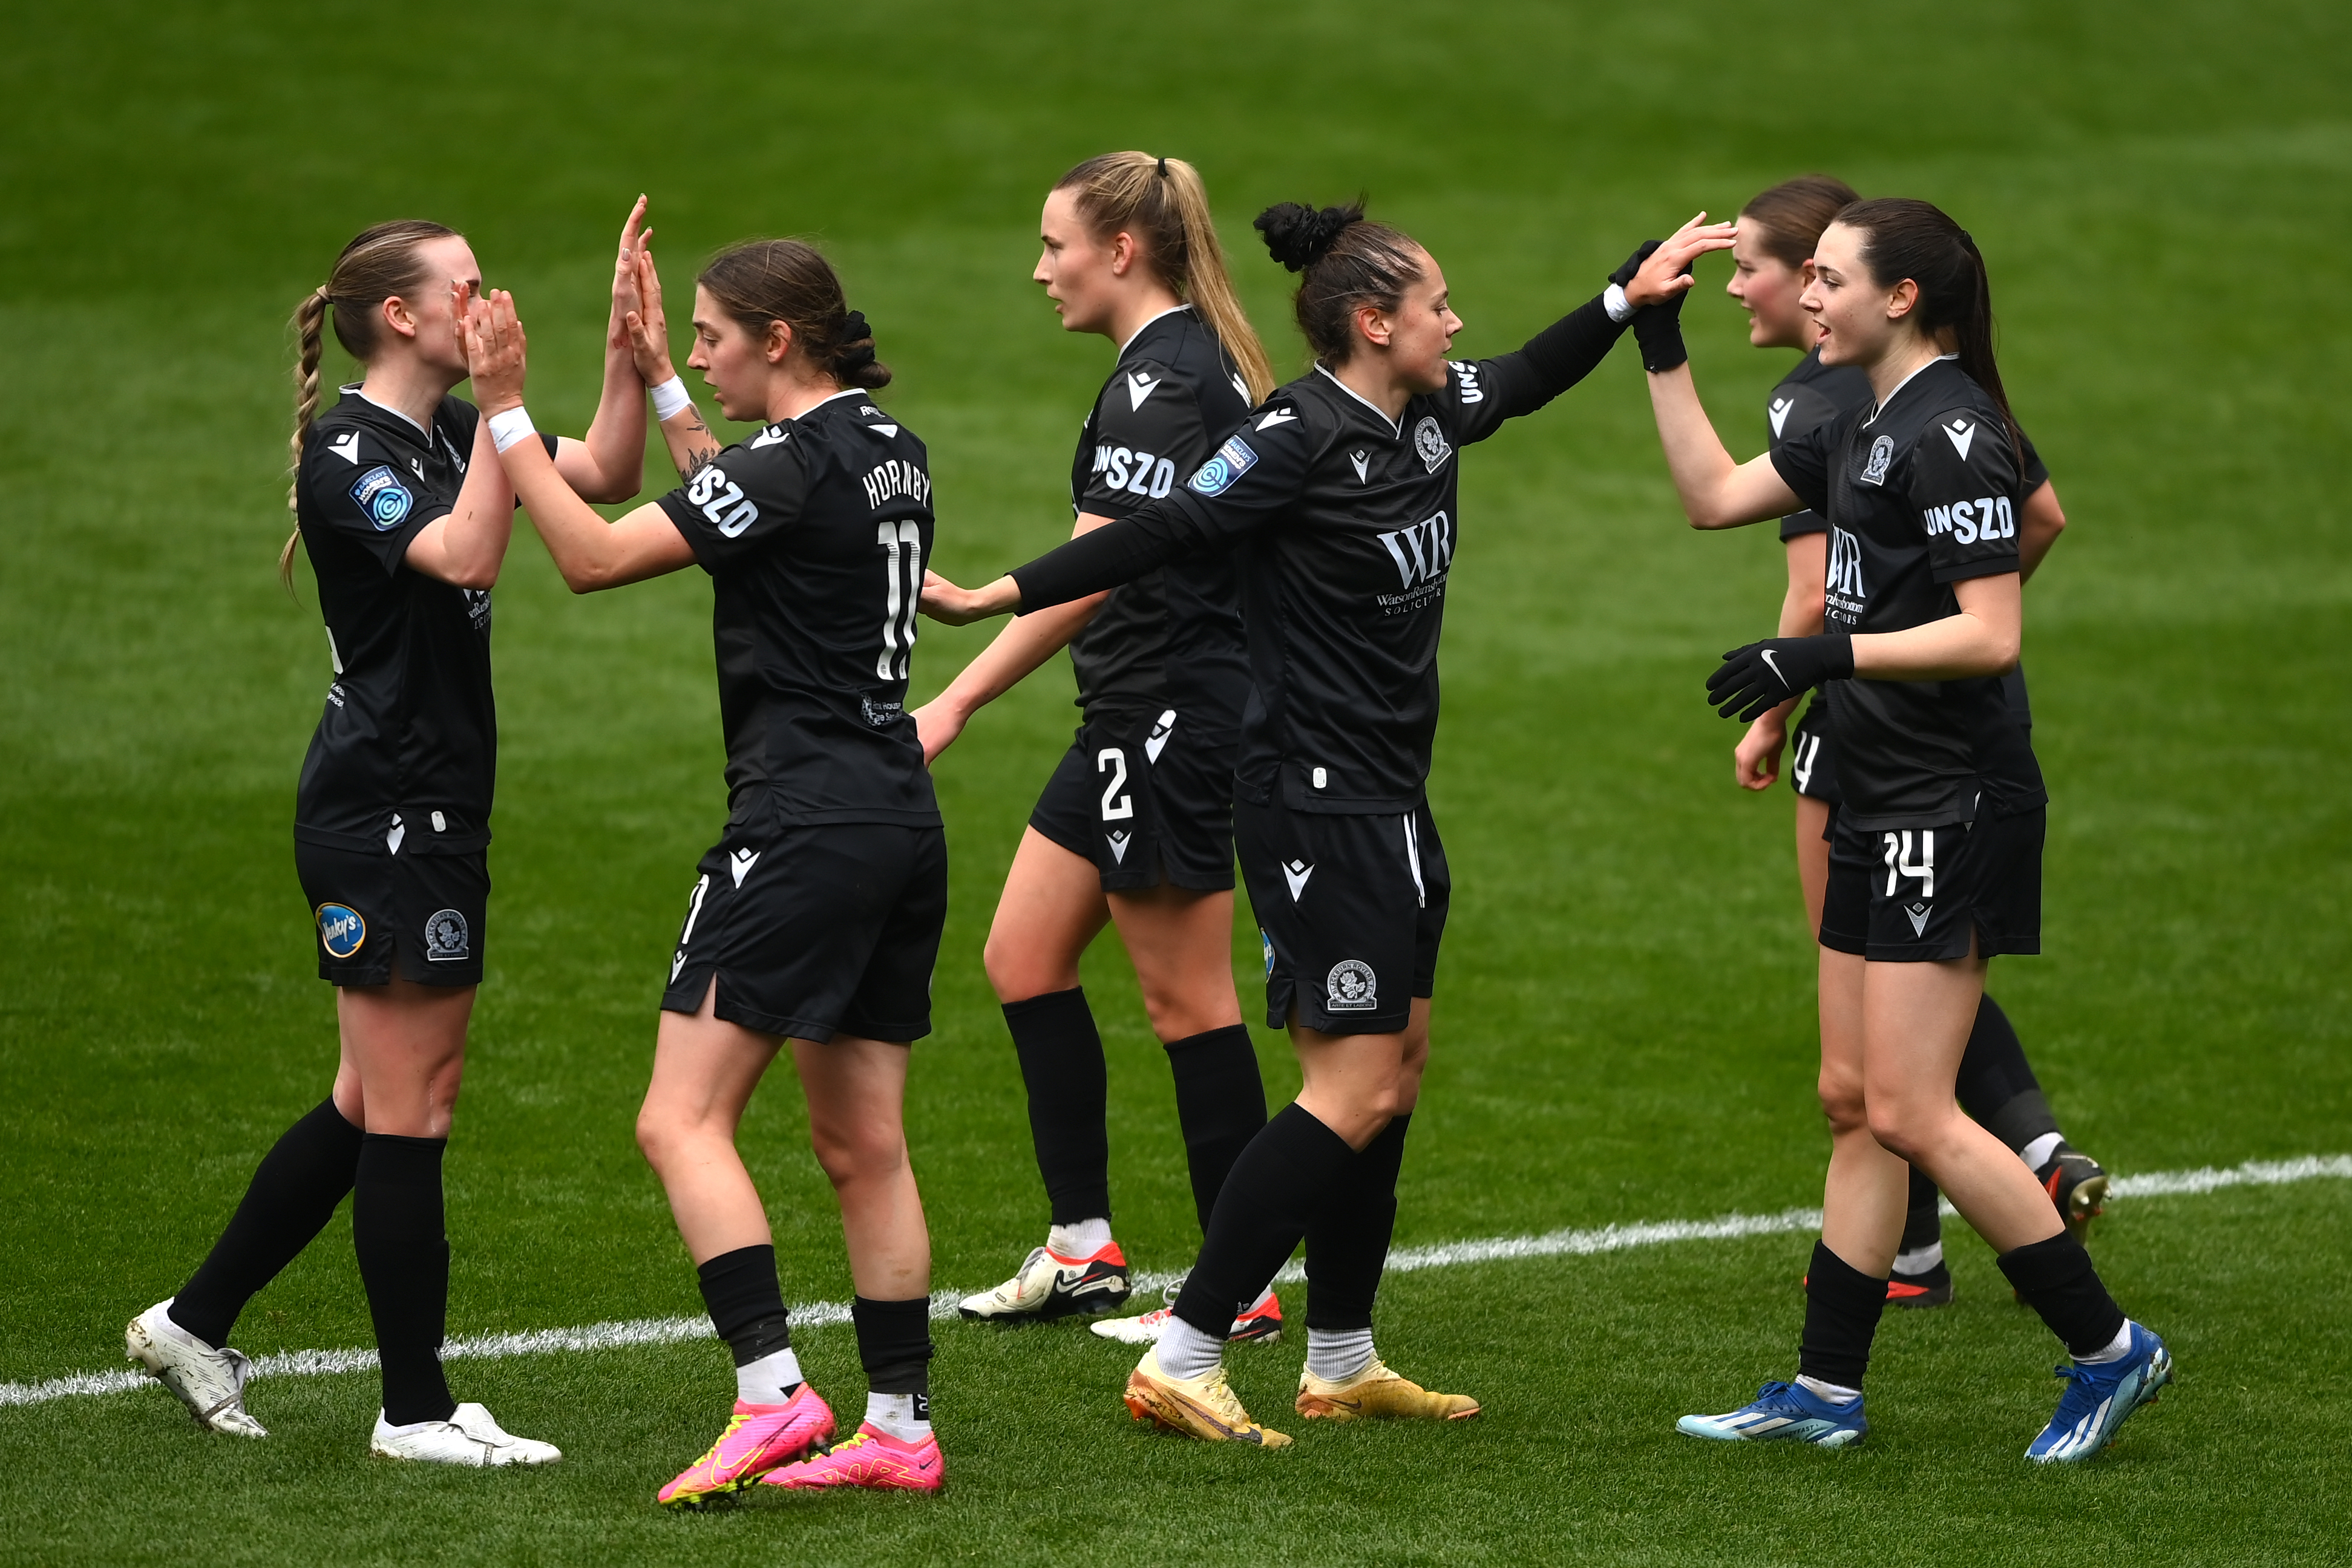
(1161, 202)
(787, 280)
(1903, 238)
(380, 263)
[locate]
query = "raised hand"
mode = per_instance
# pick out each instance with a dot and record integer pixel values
(495, 350)
(625, 292)
(648, 327)
(1666, 273)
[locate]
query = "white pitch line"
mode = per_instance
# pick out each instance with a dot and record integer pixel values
(820, 1314)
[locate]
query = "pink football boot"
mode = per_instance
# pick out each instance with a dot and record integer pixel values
(758, 1439)
(871, 1458)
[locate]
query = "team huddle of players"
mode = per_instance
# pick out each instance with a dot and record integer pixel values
(1252, 596)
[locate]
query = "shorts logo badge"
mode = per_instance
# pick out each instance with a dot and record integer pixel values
(1118, 843)
(1351, 988)
(382, 497)
(1229, 463)
(1296, 874)
(1157, 741)
(341, 932)
(1918, 914)
(1882, 453)
(1430, 443)
(740, 865)
(446, 939)
(1267, 944)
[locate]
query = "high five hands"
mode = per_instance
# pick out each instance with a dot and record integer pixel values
(1661, 270)
(638, 323)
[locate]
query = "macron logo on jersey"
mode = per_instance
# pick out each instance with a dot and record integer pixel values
(347, 448)
(1224, 467)
(1279, 416)
(1138, 388)
(1960, 433)
(1778, 412)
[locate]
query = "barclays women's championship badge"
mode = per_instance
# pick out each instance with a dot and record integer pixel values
(1229, 463)
(382, 497)
(446, 938)
(341, 932)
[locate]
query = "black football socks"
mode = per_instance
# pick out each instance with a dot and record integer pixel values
(1842, 1306)
(292, 1196)
(403, 1252)
(1279, 1184)
(1923, 1229)
(1220, 1104)
(747, 1310)
(893, 1343)
(2056, 1278)
(1348, 1241)
(1997, 1086)
(1070, 1091)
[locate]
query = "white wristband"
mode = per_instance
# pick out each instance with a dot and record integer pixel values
(1613, 301)
(671, 399)
(509, 427)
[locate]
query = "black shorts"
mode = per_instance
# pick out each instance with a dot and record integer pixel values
(365, 909)
(1350, 911)
(815, 931)
(1914, 896)
(1812, 768)
(1145, 800)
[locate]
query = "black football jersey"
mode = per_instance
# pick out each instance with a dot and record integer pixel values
(1921, 493)
(1172, 638)
(1810, 396)
(405, 755)
(815, 532)
(1348, 525)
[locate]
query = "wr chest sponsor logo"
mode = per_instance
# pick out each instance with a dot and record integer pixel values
(1986, 517)
(893, 480)
(720, 499)
(1845, 566)
(1137, 473)
(1422, 554)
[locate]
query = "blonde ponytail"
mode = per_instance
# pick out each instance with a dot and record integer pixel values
(1163, 204)
(378, 263)
(309, 322)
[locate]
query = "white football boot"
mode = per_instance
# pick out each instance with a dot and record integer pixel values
(470, 1436)
(1049, 1285)
(210, 1383)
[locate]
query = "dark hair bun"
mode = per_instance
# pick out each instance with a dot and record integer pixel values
(1299, 236)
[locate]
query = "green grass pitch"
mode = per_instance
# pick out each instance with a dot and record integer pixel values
(1623, 1026)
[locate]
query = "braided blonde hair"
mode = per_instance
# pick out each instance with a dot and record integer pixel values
(380, 263)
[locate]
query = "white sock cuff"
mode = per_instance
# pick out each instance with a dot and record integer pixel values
(2116, 1348)
(2037, 1154)
(1082, 1238)
(764, 1382)
(1835, 1393)
(1338, 1355)
(1921, 1260)
(1184, 1351)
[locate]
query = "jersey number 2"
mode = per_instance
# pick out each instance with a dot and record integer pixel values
(903, 540)
(1111, 759)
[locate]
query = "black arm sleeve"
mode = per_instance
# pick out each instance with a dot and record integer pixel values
(1106, 557)
(1554, 359)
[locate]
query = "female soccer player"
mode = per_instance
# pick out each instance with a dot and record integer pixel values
(405, 517)
(1936, 866)
(1777, 231)
(1136, 825)
(1340, 492)
(815, 918)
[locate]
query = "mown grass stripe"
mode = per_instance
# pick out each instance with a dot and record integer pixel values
(621, 1336)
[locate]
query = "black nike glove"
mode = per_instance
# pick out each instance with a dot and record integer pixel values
(1658, 330)
(1763, 676)
(1633, 263)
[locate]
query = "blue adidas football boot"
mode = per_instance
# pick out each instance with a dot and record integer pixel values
(1784, 1412)
(2098, 1399)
